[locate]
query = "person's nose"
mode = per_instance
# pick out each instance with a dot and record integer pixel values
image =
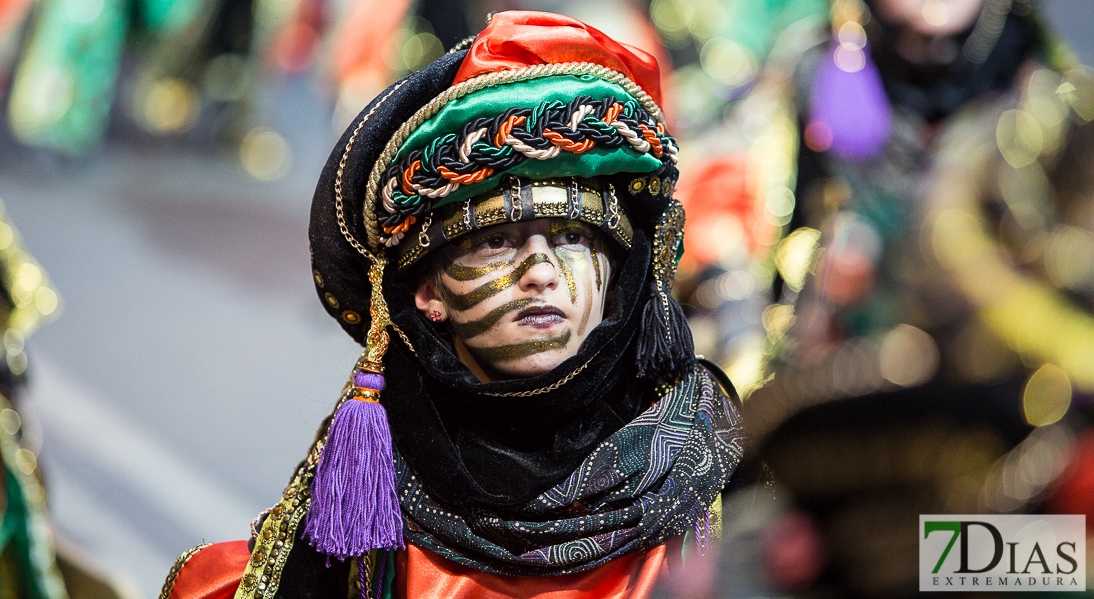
(542, 271)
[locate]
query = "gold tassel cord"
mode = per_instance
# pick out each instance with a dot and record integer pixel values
(377, 340)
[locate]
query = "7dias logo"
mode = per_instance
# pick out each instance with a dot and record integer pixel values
(1002, 553)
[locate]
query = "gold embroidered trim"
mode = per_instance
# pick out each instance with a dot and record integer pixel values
(169, 584)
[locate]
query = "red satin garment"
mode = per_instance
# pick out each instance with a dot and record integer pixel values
(213, 572)
(422, 574)
(519, 38)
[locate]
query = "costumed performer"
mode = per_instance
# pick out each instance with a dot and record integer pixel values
(498, 230)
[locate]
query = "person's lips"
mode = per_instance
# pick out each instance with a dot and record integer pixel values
(540, 316)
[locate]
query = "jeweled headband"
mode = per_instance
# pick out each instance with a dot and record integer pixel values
(520, 200)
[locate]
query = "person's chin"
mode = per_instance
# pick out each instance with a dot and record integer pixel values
(533, 365)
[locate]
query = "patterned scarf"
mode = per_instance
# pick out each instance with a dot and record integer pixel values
(649, 482)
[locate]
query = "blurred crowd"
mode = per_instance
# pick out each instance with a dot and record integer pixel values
(889, 239)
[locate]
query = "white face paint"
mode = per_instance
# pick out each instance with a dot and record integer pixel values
(521, 297)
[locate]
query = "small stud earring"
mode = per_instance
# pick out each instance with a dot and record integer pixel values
(435, 316)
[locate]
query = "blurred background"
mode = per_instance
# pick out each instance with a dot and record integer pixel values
(157, 159)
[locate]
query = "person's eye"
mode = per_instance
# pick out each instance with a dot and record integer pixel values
(496, 242)
(574, 237)
(493, 243)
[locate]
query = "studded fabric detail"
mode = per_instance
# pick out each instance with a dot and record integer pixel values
(520, 200)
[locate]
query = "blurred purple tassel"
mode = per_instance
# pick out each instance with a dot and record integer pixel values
(848, 106)
(354, 508)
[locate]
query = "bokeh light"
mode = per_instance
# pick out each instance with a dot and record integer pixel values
(169, 106)
(1047, 396)
(265, 154)
(908, 356)
(1019, 137)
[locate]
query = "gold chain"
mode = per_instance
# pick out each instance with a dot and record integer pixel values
(405, 339)
(342, 226)
(548, 388)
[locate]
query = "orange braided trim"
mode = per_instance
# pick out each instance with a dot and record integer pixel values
(476, 177)
(506, 128)
(566, 144)
(655, 142)
(613, 112)
(408, 187)
(401, 227)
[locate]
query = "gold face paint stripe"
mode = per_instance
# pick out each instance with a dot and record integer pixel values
(470, 273)
(556, 229)
(474, 328)
(588, 300)
(465, 301)
(596, 266)
(516, 351)
(567, 273)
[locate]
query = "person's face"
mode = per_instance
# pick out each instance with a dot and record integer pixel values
(522, 297)
(930, 18)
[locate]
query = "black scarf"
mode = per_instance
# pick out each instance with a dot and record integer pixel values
(474, 450)
(650, 481)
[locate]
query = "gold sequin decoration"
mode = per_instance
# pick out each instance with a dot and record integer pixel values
(262, 577)
(655, 186)
(715, 511)
(351, 317)
(667, 188)
(331, 300)
(637, 185)
(666, 242)
(318, 279)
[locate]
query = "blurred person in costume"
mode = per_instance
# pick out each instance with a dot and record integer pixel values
(924, 169)
(175, 69)
(32, 565)
(498, 230)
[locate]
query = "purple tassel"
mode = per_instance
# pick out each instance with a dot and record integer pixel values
(702, 533)
(354, 507)
(849, 111)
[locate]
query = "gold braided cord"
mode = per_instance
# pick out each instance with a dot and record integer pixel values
(377, 340)
(473, 85)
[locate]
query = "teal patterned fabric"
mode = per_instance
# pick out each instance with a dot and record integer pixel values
(649, 482)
